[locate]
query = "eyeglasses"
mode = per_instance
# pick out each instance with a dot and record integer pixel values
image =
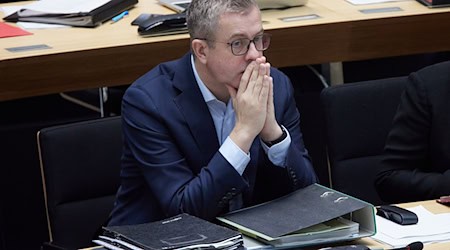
(241, 46)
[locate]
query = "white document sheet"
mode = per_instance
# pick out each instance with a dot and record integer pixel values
(65, 6)
(430, 228)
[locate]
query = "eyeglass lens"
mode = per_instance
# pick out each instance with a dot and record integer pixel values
(241, 46)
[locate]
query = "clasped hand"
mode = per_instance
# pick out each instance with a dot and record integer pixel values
(253, 105)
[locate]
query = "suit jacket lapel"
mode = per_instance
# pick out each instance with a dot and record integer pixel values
(191, 104)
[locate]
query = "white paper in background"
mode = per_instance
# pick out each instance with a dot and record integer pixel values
(8, 10)
(31, 25)
(65, 6)
(363, 2)
(430, 228)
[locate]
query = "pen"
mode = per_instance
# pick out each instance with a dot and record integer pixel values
(120, 16)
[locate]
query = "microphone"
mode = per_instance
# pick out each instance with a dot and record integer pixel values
(417, 245)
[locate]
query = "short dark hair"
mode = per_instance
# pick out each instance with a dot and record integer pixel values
(203, 15)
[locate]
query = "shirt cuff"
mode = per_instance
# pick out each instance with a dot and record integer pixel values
(234, 155)
(277, 153)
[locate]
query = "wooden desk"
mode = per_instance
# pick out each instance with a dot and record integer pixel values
(433, 207)
(114, 54)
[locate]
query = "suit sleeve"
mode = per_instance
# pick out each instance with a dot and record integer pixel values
(405, 173)
(177, 186)
(298, 163)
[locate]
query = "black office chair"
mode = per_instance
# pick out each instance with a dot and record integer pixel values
(80, 164)
(358, 118)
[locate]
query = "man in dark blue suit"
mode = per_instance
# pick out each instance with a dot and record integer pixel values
(214, 131)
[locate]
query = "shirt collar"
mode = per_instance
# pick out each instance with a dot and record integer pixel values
(207, 95)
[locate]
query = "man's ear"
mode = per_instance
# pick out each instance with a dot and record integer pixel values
(200, 49)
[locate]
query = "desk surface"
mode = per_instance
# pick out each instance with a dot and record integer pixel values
(114, 54)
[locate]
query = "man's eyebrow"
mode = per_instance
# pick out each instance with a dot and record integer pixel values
(242, 35)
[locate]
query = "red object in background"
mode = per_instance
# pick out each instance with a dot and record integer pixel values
(7, 30)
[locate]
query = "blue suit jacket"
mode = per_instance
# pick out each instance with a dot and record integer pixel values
(171, 163)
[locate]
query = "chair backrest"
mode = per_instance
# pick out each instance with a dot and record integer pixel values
(358, 118)
(80, 165)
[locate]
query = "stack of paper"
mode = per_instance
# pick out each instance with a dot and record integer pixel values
(181, 232)
(430, 228)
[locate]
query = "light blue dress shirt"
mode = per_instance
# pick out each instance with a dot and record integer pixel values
(224, 121)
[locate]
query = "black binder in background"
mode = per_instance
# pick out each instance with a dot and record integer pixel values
(90, 19)
(181, 231)
(162, 24)
(435, 3)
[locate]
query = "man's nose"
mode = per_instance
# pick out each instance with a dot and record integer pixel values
(252, 52)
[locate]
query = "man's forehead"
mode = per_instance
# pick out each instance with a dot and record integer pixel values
(230, 25)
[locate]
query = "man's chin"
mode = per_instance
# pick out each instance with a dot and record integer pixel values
(234, 86)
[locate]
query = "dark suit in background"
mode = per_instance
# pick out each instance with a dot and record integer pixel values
(416, 164)
(171, 163)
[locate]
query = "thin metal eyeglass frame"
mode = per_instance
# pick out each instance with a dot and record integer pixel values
(267, 35)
